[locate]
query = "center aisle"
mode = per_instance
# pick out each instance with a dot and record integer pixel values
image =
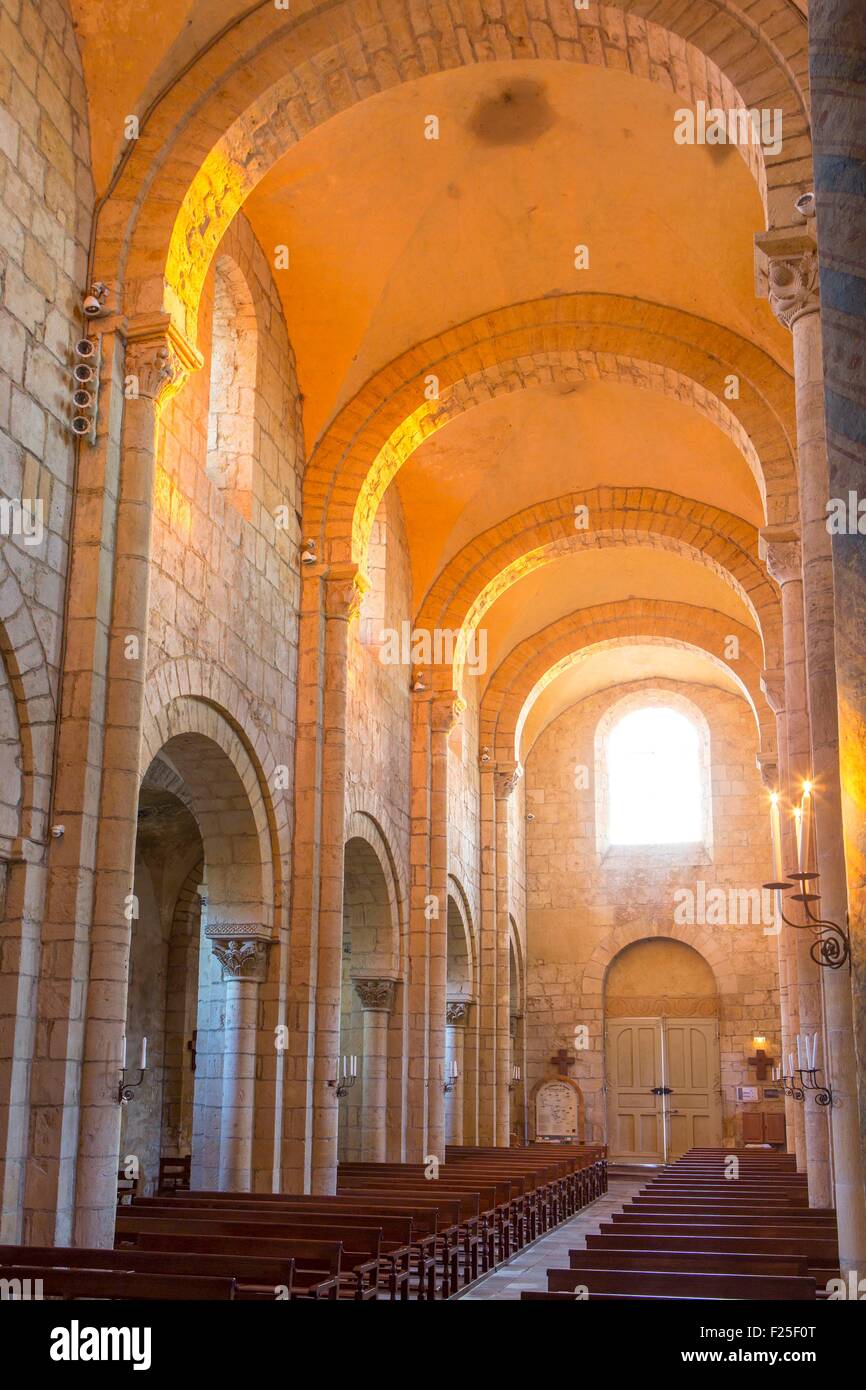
(528, 1270)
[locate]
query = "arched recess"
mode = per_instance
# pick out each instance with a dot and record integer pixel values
(372, 1013)
(563, 336)
(534, 663)
(204, 816)
(234, 378)
(661, 1024)
(517, 1033)
(271, 79)
(29, 713)
(469, 586)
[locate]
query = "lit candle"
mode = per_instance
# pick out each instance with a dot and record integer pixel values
(123, 1053)
(143, 1063)
(798, 834)
(806, 827)
(776, 833)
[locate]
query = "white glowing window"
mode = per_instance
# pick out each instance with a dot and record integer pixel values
(655, 783)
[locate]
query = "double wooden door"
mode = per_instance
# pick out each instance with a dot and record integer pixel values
(663, 1087)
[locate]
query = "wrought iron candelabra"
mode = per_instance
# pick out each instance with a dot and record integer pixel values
(831, 947)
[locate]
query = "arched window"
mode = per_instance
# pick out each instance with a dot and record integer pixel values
(655, 780)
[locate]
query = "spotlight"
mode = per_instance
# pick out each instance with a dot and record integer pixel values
(85, 388)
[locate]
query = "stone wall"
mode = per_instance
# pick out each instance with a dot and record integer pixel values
(583, 908)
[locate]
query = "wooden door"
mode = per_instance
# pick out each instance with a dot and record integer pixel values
(634, 1067)
(645, 1055)
(693, 1110)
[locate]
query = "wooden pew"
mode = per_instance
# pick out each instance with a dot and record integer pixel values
(687, 1284)
(362, 1250)
(398, 1237)
(699, 1261)
(317, 1269)
(69, 1283)
(254, 1277)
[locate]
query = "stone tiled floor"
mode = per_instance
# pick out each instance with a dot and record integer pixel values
(528, 1270)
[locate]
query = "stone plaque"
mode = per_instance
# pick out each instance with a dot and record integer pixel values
(556, 1110)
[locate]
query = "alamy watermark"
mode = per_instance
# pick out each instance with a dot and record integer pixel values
(739, 125)
(724, 907)
(22, 516)
(418, 646)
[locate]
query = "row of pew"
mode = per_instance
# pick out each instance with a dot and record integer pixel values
(703, 1228)
(392, 1231)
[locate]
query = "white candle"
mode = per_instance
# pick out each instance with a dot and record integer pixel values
(799, 1053)
(806, 827)
(798, 833)
(344, 1072)
(143, 1063)
(790, 1064)
(776, 833)
(354, 1064)
(123, 1052)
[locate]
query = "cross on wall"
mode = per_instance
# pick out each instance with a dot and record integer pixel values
(760, 1062)
(562, 1060)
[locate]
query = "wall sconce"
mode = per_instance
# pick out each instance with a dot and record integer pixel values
(346, 1077)
(452, 1074)
(515, 1078)
(831, 947)
(126, 1088)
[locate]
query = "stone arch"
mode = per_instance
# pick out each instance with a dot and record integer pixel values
(708, 988)
(30, 709)
(468, 586)
(251, 97)
(378, 884)
(645, 698)
(207, 755)
(463, 917)
(561, 337)
(528, 669)
(244, 727)
(707, 942)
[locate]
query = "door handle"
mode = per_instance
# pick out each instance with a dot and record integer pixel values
(661, 1091)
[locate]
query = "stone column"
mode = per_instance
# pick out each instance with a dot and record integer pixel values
(773, 686)
(837, 55)
(433, 717)
(377, 1002)
(506, 779)
(332, 597)
(456, 1011)
(780, 550)
(244, 959)
(791, 277)
(486, 1069)
(147, 362)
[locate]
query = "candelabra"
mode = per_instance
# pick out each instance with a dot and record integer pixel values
(449, 1085)
(515, 1078)
(790, 1087)
(126, 1089)
(823, 1094)
(345, 1079)
(831, 947)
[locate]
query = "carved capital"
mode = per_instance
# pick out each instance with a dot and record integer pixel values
(158, 356)
(787, 275)
(773, 686)
(344, 590)
(768, 767)
(779, 548)
(243, 959)
(505, 779)
(456, 1011)
(445, 711)
(376, 994)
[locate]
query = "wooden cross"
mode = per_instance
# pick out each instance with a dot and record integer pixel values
(562, 1061)
(760, 1062)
